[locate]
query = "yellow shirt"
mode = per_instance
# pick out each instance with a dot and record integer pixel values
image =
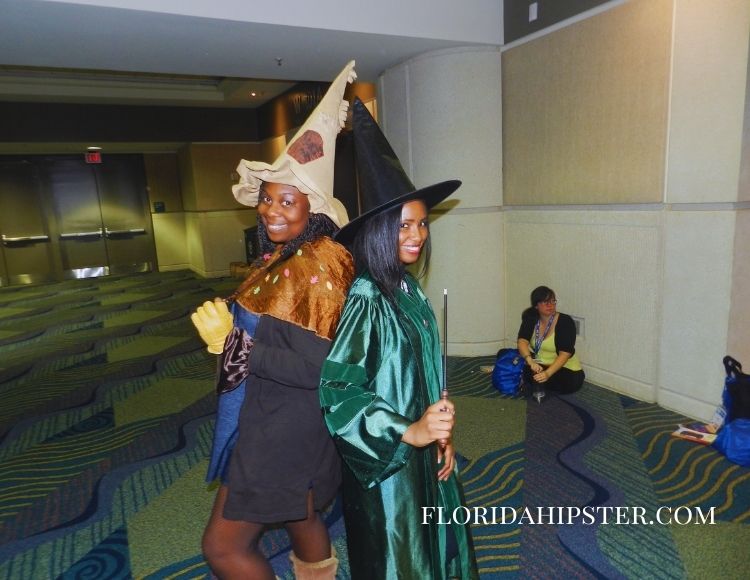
(548, 354)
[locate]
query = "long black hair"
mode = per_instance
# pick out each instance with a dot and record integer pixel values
(538, 294)
(375, 250)
(318, 224)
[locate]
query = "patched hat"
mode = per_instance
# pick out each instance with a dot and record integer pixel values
(307, 161)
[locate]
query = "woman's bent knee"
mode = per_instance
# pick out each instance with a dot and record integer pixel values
(213, 548)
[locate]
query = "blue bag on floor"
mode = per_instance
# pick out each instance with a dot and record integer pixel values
(508, 371)
(736, 395)
(733, 439)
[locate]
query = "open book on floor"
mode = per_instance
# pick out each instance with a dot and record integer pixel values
(703, 435)
(700, 427)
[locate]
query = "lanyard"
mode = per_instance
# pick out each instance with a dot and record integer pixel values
(538, 341)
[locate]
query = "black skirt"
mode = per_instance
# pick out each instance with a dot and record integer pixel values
(283, 449)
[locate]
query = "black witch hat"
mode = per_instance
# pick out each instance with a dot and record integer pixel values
(383, 183)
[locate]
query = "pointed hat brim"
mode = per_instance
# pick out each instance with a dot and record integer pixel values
(430, 195)
(382, 182)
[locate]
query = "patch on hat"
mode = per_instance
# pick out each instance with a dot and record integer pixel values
(308, 147)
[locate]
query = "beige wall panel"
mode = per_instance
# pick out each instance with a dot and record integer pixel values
(605, 268)
(194, 236)
(271, 148)
(393, 112)
(585, 110)
(744, 188)
(214, 172)
(698, 254)
(224, 239)
(163, 179)
(467, 260)
(214, 239)
(419, 114)
(470, 136)
(187, 179)
(429, 106)
(170, 237)
(738, 343)
(708, 100)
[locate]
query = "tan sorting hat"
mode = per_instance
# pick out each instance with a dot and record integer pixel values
(307, 161)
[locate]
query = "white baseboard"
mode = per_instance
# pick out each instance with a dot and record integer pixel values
(210, 274)
(488, 348)
(671, 400)
(173, 267)
(686, 405)
(619, 384)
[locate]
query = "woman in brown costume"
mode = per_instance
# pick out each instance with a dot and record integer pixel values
(271, 450)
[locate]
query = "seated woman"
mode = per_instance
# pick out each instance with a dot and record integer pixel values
(546, 341)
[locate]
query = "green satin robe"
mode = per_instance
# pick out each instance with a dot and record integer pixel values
(381, 374)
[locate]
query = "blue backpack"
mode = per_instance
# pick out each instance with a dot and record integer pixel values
(508, 372)
(733, 439)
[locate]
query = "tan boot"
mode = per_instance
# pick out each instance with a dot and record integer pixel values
(323, 570)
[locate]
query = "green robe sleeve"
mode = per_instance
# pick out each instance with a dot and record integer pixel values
(357, 381)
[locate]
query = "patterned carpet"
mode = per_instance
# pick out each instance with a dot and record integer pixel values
(107, 410)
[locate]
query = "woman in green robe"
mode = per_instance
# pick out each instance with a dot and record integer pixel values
(380, 387)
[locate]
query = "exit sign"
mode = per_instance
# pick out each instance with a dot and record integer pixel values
(93, 156)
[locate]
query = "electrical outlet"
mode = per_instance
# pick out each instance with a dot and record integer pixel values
(533, 11)
(578, 320)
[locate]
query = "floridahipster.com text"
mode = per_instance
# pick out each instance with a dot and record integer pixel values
(568, 515)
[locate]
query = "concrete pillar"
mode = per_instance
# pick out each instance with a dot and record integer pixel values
(441, 112)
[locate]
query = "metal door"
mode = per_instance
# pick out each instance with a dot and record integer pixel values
(28, 256)
(3, 272)
(125, 213)
(72, 190)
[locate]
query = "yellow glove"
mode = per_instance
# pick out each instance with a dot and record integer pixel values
(214, 323)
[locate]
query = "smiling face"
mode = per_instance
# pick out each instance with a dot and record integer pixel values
(547, 307)
(413, 231)
(283, 210)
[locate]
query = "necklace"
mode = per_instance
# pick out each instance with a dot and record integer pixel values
(539, 340)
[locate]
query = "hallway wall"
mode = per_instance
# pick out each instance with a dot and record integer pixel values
(621, 145)
(441, 112)
(624, 196)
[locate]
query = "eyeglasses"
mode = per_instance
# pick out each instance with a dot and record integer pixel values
(548, 302)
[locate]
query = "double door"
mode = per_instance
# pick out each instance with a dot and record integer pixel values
(62, 218)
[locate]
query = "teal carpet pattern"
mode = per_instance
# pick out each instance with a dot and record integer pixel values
(107, 406)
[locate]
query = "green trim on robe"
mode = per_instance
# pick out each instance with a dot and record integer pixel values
(383, 371)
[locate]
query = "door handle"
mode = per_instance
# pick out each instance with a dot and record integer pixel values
(109, 232)
(72, 235)
(6, 240)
